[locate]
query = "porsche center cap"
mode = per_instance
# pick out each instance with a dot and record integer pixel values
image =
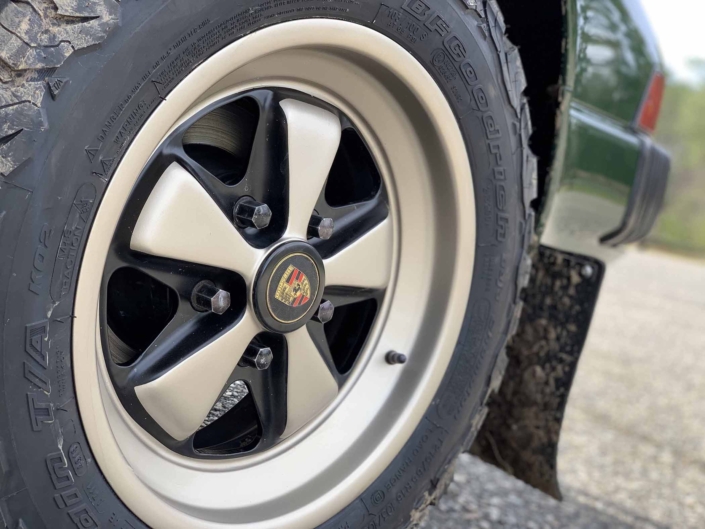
(292, 287)
(287, 289)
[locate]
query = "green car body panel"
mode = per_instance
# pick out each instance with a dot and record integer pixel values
(614, 55)
(611, 55)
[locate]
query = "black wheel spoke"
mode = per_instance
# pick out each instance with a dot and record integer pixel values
(225, 196)
(341, 339)
(178, 275)
(342, 296)
(268, 391)
(185, 333)
(351, 222)
(265, 179)
(318, 336)
(181, 337)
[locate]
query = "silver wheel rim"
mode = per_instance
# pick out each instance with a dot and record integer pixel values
(328, 462)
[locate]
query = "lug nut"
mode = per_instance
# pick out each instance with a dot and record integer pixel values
(320, 227)
(249, 213)
(586, 271)
(324, 313)
(257, 356)
(206, 297)
(394, 358)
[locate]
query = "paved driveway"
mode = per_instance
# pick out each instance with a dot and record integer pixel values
(632, 450)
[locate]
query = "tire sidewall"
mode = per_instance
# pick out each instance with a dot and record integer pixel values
(50, 201)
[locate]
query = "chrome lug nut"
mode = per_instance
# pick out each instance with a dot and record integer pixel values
(586, 271)
(206, 297)
(320, 227)
(324, 313)
(394, 358)
(257, 356)
(249, 213)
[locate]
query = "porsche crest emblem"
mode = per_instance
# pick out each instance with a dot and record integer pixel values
(294, 288)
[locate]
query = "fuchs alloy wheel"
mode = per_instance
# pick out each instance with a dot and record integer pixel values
(260, 260)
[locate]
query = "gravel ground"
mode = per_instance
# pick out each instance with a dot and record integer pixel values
(632, 452)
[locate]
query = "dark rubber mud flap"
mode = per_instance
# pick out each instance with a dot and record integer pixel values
(520, 434)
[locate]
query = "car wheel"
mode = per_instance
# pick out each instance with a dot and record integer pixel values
(260, 260)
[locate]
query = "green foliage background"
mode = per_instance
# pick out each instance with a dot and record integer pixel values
(681, 129)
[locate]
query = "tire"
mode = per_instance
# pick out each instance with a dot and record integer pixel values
(69, 72)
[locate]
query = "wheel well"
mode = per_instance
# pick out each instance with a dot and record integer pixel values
(539, 35)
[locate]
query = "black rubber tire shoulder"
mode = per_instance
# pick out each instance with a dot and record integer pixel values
(492, 21)
(36, 37)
